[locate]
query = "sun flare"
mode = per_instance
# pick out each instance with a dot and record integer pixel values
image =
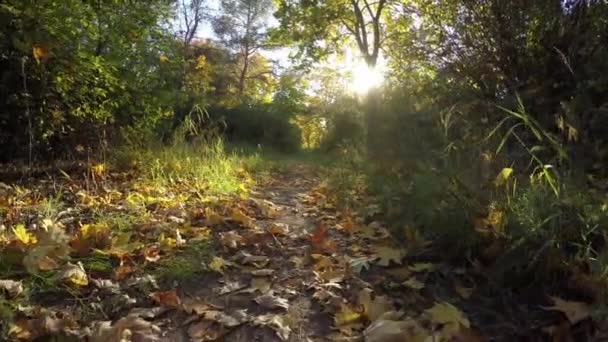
(364, 78)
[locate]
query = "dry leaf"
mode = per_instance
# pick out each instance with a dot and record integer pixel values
(388, 328)
(204, 331)
(261, 284)
(74, 274)
(12, 288)
(276, 323)
(374, 306)
(447, 315)
(130, 328)
(421, 267)
(387, 254)
(574, 311)
(166, 298)
(123, 271)
(346, 315)
(414, 283)
(270, 301)
(217, 264)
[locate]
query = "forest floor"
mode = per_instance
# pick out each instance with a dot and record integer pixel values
(279, 264)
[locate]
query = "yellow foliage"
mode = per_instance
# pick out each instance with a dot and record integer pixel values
(23, 236)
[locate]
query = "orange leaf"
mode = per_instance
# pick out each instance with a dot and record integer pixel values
(39, 53)
(122, 272)
(166, 298)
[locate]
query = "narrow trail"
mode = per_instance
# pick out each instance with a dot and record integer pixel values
(298, 270)
(277, 286)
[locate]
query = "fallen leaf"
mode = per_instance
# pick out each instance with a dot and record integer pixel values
(133, 327)
(229, 287)
(166, 298)
(204, 331)
(276, 323)
(359, 264)
(74, 274)
(224, 319)
(387, 254)
(238, 216)
(270, 301)
(414, 283)
(319, 241)
(574, 311)
(123, 271)
(12, 288)
(464, 292)
(346, 315)
(217, 264)
(261, 284)
(447, 314)
(389, 328)
(421, 267)
(374, 306)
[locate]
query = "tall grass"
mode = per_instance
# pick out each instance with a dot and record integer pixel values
(194, 156)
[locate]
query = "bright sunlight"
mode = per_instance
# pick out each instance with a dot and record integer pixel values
(364, 78)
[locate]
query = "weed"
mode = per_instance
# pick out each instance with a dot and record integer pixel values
(187, 266)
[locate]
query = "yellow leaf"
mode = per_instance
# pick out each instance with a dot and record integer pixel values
(217, 264)
(346, 315)
(374, 307)
(240, 217)
(446, 313)
(503, 176)
(98, 169)
(387, 254)
(23, 236)
(75, 274)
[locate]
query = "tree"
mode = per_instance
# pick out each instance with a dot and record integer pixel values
(241, 26)
(323, 28)
(190, 15)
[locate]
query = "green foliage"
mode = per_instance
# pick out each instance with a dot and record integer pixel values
(259, 124)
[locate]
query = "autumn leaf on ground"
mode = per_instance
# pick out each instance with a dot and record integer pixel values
(574, 311)
(359, 264)
(421, 267)
(213, 218)
(385, 255)
(322, 263)
(374, 306)
(204, 331)
(391, 328)
(122, 271)
(261, 284)
(12, 288)
(166, 298)
(22, 236)
(74, 274)
(270, 301)
(217, 264)
(346, 315)
(464, 292)
(135, 327)
(238, 216)
(414, 283)
(276, 323)
(320, 242)
(449, 317)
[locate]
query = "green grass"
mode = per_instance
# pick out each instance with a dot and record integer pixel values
(186, 266)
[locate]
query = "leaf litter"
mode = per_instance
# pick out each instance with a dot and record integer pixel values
(254, 263)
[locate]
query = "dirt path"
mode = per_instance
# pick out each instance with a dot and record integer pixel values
(294, 269)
